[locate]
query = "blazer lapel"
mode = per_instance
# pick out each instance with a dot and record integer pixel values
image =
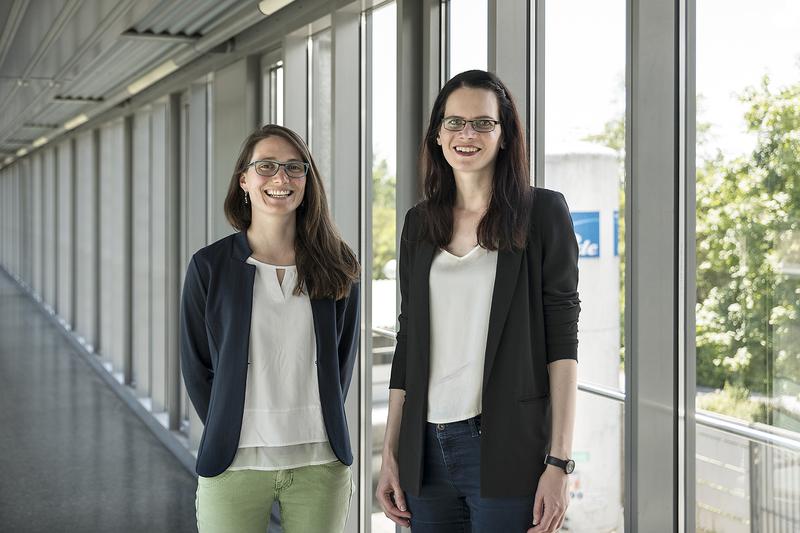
(420, 296)
(505, 282)
(240, 287)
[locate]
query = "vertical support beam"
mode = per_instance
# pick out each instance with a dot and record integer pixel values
(87, 236)
(160, 153)
(536, 130)
(346, 175)
(172, 261)
(141, 221)
(114, 242)
(195, 195)
(365, 255)
(509, 50)
(126, 282)
(346, 123)
(687, 266)
(411, 116)
(235, 95)
(35, 169)
(66, 233)
(433, 67)
(295, 83)
(653, 206)
(50, 227)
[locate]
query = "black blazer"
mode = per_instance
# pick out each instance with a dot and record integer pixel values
(533, 321)
(215, 339)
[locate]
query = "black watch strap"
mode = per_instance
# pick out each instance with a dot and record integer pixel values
(567, 465)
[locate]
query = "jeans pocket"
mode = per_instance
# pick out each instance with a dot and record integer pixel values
(215, 480)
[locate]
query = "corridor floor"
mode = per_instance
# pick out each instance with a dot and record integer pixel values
(73, 457)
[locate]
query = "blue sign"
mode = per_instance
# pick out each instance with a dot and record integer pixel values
(587, 231)
(616, 233)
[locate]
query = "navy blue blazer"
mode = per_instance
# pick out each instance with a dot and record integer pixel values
(215, 338)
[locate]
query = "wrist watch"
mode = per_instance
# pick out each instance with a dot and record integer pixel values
(568, 465)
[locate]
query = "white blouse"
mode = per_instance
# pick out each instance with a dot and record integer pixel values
(282, 424)
(461, 291)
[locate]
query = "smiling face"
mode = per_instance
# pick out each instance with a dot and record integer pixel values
(468, 151)
(279, 194)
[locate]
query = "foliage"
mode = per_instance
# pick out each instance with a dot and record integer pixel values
(734, 401)
(748, 251)
(383, 218)
(613, 136)
(748, 210)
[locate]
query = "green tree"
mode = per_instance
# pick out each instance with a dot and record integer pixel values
(383, 217)
(748, 211)
(748, 250)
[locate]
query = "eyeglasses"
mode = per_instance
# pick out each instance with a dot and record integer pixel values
(481, 125)
(268, 168)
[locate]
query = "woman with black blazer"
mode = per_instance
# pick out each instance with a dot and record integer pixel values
(269, 333)
(483, 383)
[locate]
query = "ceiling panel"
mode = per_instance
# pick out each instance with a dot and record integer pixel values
(87, 16)
(36, 22)
(76, 49)
(58, 113)
(188, 16)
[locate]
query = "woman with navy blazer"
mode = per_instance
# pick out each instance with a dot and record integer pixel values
(483, 383)
(269, 334)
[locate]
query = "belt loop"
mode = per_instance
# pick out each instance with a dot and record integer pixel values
(473, 427)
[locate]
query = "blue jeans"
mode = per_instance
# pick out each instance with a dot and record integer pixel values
(450, 500)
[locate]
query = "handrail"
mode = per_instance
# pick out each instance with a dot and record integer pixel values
(600, 390)
(739, 429)
(703, 418)
(383, 332)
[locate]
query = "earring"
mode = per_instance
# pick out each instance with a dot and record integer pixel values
(245, 197)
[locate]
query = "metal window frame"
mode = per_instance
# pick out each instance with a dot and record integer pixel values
(365, 246)
(346, 174)
(270, 61)
(659, 444)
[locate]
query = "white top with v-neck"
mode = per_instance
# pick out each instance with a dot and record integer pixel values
(461, 291)
(282, 424)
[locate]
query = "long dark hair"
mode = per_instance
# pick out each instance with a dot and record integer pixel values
(504, 226)
(326, 266)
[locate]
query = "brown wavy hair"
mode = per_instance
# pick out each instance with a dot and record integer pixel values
(505, 224)
(326, 265)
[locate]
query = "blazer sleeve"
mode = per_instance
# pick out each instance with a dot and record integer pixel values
(348, 311)
(559, 280)
(397, 380)
(196, 366)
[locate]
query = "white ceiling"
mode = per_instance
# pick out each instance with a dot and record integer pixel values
(61, 58)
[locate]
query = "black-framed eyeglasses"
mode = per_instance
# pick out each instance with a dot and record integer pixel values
(481, 125)
(270, 167)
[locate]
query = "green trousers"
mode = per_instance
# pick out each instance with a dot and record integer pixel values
(312, 499)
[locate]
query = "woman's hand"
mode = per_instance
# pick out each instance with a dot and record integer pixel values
(550, 503)
(390, 495)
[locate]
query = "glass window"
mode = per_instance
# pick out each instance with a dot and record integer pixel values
(272, 90)
(276, 93)
(584, 159)
(468, 36)
(748, 262)
(382, 117)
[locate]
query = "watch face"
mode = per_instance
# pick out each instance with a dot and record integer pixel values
(570, 466)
